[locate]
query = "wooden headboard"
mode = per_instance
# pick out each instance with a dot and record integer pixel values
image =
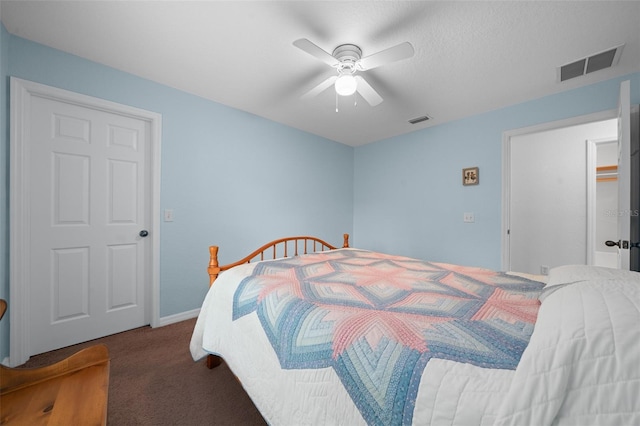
(283, 247)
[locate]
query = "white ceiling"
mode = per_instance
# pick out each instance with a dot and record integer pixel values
(470, 57)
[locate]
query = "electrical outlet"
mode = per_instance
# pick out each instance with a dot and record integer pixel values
(468, 217)
(544, 270)
(168, 215)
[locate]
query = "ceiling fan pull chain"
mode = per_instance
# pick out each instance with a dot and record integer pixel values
(336, 101)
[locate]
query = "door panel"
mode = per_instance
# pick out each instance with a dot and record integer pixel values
(123, 277)
(70, 284)
(71, 189)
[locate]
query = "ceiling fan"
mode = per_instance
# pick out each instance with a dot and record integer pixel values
(347, 60)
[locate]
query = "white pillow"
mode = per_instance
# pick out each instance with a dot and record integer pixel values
(562, 276)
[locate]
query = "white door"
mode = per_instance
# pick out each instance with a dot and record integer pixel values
(88, 222)
(624, 175)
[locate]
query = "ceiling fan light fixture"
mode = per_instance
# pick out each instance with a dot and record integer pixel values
(346, 85)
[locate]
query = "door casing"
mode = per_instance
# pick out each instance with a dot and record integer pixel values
(21, 93)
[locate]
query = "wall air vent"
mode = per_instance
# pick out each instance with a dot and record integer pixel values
(596, 62)
(419, 119)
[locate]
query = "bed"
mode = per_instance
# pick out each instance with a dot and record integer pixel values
(320, 335)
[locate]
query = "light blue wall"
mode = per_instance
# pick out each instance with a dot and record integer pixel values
(4, 185)
(232, 178)
(408, 193)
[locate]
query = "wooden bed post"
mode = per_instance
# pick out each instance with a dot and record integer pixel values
(213, 361)
(346, 241)
(214, 267)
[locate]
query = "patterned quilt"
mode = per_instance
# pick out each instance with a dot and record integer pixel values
(377, 319)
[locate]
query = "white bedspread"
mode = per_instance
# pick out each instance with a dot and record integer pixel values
(581, 367)
(284, 397)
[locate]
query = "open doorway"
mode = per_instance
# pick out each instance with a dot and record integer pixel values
(546, 198)
(545, 194)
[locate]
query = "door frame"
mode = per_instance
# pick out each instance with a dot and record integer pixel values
(21, 93)
(592, 156)
(506, 167)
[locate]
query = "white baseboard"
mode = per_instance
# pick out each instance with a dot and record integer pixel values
(183, 316)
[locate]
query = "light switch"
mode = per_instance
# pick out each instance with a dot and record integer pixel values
(468, 217)
(168, 215)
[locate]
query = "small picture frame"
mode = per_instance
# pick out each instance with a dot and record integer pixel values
(470, 176)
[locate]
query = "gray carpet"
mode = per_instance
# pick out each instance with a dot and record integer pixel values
(154, 381)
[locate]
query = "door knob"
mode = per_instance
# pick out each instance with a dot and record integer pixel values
(623, 244)
(144, 233)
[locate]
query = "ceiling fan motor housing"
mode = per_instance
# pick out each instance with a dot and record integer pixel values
(348, 55)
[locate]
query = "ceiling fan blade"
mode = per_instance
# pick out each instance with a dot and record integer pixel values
(320, 88)
(392, 54)
(314, 50)
(367, 92)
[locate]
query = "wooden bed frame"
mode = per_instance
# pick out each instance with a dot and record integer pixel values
(282, 244)
(283, 247)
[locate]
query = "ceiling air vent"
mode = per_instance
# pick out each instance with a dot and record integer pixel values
(419, 119)
(587, 65)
